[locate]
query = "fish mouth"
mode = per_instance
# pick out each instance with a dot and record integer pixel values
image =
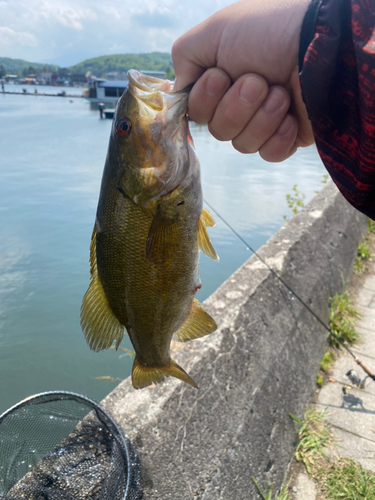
(149, 83)
(156, 93)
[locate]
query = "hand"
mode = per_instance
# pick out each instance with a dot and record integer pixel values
(251, 36)
(249, 113)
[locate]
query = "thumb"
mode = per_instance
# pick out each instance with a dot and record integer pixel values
(194, 52)
(305, 136)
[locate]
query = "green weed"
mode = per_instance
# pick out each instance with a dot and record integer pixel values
(371, 226)
(295, 201)
(325, 365)
(346, 479)
(342, 318)
(319, 380)
(327, 361)
(314, 436)
(363, 254)
(283, 495)
(325, 179)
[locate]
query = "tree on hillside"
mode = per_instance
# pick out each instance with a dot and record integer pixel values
(169, 73)
(2, 71)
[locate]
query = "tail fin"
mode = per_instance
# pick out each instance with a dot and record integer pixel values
(142, 376)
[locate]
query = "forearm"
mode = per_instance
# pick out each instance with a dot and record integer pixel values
(337, 77)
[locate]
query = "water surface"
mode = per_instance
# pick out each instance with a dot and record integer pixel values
(52, 156)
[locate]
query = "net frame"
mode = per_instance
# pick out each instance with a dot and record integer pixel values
(51, 396)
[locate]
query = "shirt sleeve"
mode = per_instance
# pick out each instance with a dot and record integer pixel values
(337, 76)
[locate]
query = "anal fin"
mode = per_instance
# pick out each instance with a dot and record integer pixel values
(98, 322)
(198, 324)
(142, 376)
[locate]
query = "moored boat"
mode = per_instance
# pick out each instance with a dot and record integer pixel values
(105, 90)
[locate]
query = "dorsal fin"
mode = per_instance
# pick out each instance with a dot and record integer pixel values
(98, 322)
(198, 324)
(142, 376)
(207, 218)
(204, 241)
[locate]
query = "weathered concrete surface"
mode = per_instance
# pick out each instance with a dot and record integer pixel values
(260, 366)
(350, 415)
(304, 489)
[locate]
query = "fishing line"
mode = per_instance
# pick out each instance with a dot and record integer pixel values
(356, 359)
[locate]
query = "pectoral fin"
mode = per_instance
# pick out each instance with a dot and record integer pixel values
(162, 239)
(142, 376)
(198, 324)
(204, 241)
(98, 322)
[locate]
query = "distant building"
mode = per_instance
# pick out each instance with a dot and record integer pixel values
(47, 77)
(10, 78)
(120, 76)
(78, 78)
(156, 74)
(116, 75)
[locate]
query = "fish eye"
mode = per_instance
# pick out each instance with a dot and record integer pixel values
(123, 126)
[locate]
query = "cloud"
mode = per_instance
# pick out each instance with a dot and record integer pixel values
(65, 14)
(156, 20)
(11, 37)
(52, 29)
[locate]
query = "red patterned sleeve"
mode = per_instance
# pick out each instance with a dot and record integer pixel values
(337, 76)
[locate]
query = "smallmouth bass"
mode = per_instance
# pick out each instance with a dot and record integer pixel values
(150, 225)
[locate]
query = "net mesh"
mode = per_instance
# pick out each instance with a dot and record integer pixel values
(63, 446)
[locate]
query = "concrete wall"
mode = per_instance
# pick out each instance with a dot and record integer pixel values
(259, 366)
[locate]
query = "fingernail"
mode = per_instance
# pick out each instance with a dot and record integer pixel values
(250, 90)
(274, 101)
(216, 84)
(285, 126)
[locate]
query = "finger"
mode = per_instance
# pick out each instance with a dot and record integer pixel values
(281, 144)
(194, 52)
(265, 122)
(206, 95)
(238, 106)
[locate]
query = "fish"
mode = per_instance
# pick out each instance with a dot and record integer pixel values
(150, 226)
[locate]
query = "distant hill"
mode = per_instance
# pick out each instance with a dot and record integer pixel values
(16, 66)
(99, 66)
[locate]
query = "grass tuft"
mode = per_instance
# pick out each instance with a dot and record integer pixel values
(283, 495)
(363, 254)
(371, 226)
(342, 318)
(314, 435)
(327, 361)
(346, 479)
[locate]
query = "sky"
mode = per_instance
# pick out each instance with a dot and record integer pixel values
(66, 32)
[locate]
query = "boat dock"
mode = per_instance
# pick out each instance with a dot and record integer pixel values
(60, 94)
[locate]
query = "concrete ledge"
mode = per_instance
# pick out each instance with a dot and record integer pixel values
(260, 366)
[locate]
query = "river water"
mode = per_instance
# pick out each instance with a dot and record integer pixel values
(52, 156)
